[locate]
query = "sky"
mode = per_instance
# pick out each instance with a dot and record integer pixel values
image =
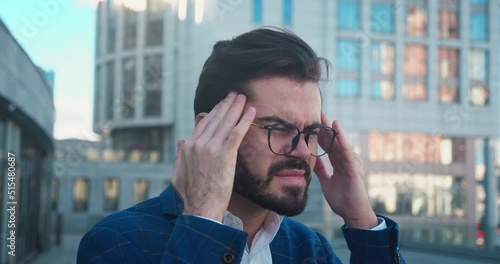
(59, 35)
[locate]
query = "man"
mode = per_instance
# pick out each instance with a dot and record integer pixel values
(259, 134)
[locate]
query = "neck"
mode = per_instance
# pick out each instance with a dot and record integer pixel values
(252, 215)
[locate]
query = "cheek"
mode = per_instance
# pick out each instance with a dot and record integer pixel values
(256, 153)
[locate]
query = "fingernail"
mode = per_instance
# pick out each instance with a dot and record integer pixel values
(231, 94)
(338, 123)
(251, 110)
(240, 97)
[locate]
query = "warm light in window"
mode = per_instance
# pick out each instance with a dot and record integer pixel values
(182, 11)
(136, 5)
(199, 7)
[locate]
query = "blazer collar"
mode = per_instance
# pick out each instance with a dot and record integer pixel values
(171, 202)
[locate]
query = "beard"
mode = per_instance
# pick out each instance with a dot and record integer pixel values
(256, 188)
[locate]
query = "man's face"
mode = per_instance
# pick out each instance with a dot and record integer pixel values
(278, 183)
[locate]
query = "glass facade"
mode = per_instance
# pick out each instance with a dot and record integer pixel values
(382, 17)
(80, 194)
(449, 19)
(347, 68)
(448, 69)
(111, 194)
(110, 90)
(429, 195)
(112, 24)
(153, 79)
(382, 70)
(478, 76)
(479, 25)
(415, 67)
(130, 31)
(287, 12)
(128, 91)
(257, 11)
(141, 189)
(416, 18)
(139, 144)
(348, 14)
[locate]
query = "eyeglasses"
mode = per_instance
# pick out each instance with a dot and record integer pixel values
(283, 138)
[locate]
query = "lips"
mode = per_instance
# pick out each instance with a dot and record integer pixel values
(293, 173)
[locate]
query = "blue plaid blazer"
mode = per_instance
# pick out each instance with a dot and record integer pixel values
(155, 231)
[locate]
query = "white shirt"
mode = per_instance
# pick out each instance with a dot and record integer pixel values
(260, 252)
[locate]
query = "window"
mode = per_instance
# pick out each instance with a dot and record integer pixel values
(417, 194)
(141, 187)
(80, 194)
(287, 12)
(348, 51)
(128, 104)
(156, 6)
(448, 61)
(347, 88)
(415, 67)
(153, 80)
(111, 194)
(154, 32)
(347, 65)
(416, 19)
(54, 193)
(478, 76)
(257, 11)
(448, 23)
(111, 30)
(130, 39)
(479, 25)
(382, 17)
(382, 70)
(348, 14)
(110, 89)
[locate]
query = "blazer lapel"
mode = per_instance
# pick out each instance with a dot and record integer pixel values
(281, 249)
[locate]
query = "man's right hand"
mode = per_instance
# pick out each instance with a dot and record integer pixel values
(205, 164)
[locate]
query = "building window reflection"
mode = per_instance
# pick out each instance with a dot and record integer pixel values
(382, 70)
(348, 14)
(448, 22)
(80, 194)
(287, 12)
(427, 195)
(348, 66)
(415, 148)
(416, 18)
(382, 16)
(478, 76)
(141, 188)
(153, 78)
(111, 194)
(154, 22)
(110, 89)
(127, 106)
(54, 196)
(130, 39)
(479, 25)
(415, 67)
(257, 11)
(448, 60)
(111, 30)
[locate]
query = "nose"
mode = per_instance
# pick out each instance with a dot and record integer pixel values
(301, 150)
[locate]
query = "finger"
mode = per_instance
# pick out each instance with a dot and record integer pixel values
(231, 119)
(321, 171)
(325, 139)
(218, 118)
(180, 143)
(212, 119)
(239, 132)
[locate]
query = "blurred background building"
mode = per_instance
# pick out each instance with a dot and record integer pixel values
(415, 84)
(26, 128)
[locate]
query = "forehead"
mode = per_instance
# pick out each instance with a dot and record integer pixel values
(295, 102)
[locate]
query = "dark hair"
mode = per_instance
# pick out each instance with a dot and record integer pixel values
(260, 53)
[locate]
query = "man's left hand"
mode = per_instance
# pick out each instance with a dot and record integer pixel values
(345, 189)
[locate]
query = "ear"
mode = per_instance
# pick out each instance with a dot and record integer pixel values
(199, 117)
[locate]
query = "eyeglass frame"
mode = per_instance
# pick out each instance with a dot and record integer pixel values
(306, 133)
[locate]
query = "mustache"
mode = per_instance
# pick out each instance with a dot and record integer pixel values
(289, 164)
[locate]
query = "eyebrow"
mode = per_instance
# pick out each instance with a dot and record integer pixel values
(277, 119)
